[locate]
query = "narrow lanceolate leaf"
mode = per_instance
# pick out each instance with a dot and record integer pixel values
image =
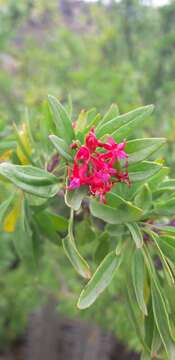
(133, 315)
(165, 208)
(116, 211)
(23, 148)
(156, 342)
(100, 280)
(31, 179)
(61, 146)
(111, 114)
(94, 122)
(138, 278)
(167, 245)
(149, 325)
(167, 190)
(11, 218)
(143, 171)
(136, 234)
(72, 253)
(103, 247)
(152, 337)
(170, 230)
(4, 207)
(23, 240)
(168, 185)
(141, 149)
(121, 125)
(29, 174)
(80, 265)
(157, 178)
(161, 318)
(143, 198)
(61, 120)
(167, 269)
(73, 198)
(125, 130)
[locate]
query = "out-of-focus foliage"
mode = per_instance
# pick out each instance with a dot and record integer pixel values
(122, 53)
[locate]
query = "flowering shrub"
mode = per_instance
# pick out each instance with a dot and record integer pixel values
(124, 201)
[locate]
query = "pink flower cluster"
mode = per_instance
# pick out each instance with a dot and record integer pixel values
(98, 169)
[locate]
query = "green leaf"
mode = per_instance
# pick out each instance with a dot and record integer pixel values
(167, 269)
(157, 178)
(165, 208)
(4, 207)
(152, 337)
(11, 218)
(129, 296)
(149, 325)
(112, 113)
(136, 234)
(168, 185)
(103, 247)
(22, 146)
(143, 171)
(51, 224)
(93, 123)
(125, 130)
(143, 198)
(69, 246)
(92, 116)
(23, 245)
(166, 229)
(115, 230)
(82, 121)
(138, 278)
(85, 121)
(127, 192)
(73, 198)
(100, 280)
(31, 179)
(167, 245)
(122, 125)
(61, 120)
(61, 146)
(140, 149)
(84, 232)
(60, 223)
(37, 203)
(46, 226)
(29, 174)
(116, 211)
(161, 317)
(22, 239)
(80, 265)
(156, 342)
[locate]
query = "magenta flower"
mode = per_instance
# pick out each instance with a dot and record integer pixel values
(83, 154)
(96, 169)
(91, 141)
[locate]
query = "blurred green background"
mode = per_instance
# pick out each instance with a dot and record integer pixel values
(122, 52)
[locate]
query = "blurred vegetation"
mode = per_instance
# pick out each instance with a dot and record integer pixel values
(124, 53)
